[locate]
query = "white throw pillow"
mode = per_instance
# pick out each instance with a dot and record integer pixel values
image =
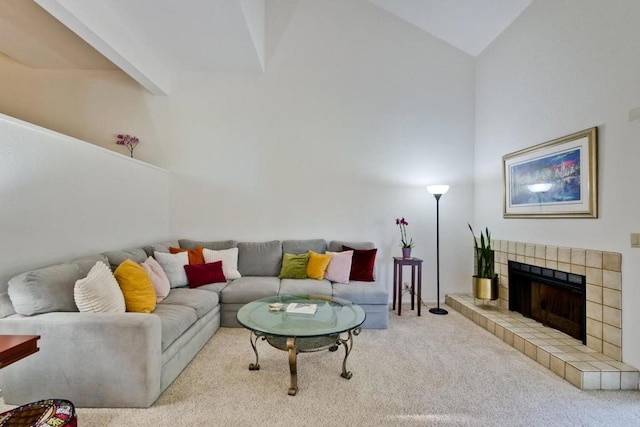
(173, 266)
(99, 292)
(229, 258)
(158, 277)
(339, 267)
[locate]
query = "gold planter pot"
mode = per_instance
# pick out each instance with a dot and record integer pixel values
(485, 288)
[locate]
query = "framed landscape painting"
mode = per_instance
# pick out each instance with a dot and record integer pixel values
(555, 179)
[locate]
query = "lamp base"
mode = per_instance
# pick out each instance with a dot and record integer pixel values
(438, 310)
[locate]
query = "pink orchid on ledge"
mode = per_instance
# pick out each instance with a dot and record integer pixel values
(405, 243)
(129, 141)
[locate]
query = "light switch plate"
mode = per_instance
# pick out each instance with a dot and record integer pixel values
(635, 240)
(634, 114)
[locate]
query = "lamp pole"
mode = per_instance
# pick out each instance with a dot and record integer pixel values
(438, 191)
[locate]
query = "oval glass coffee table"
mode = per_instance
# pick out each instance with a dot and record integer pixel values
(324, 324)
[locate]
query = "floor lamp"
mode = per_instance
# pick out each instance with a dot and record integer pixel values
(438, 191)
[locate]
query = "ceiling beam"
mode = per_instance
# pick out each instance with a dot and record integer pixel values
(254, 15)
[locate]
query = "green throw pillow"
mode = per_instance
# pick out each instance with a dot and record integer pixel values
(294, 266)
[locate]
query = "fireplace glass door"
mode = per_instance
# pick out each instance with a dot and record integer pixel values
(551, 297)
(557, 308)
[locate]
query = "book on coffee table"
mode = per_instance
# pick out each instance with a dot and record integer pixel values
(302, 308)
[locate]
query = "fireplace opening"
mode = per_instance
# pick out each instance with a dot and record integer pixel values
(554, 298)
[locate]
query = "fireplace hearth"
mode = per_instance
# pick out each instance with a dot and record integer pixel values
(603, 272)
(554, 298)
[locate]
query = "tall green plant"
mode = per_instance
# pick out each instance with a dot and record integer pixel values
(484, 254)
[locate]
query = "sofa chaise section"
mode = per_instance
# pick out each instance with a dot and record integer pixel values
(92, 359)
(107, 359)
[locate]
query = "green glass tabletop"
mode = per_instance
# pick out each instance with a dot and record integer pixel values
(332, 316)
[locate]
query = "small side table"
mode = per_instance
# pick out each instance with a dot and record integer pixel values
(398, 264)
(16, 347)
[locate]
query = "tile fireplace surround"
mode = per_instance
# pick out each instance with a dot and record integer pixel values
(594, 366)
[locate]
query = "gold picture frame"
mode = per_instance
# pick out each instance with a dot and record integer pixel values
(555, 179)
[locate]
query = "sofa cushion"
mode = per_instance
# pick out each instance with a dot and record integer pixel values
(260, 258)
(336, 245)
(201, 301)
(99, 292)
(117, 257)
(6, 307)
(214, 245)
(362, 292)
(229, 258)
(247, 289)
(160, 247)
(317, 265)
(173, 266)
(305, 287)
(158, 278)
(339, 267)
(294, 266)
(86, 263)
(202, 274)
(136, 286)
(214, 287)
(45, 290)
(195, 254)
(174, 321)
(304, 246)
(362, 264)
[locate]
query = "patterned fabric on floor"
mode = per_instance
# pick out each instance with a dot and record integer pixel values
(43, 413)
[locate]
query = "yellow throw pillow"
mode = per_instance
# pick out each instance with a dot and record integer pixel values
(136, 286)
(317, 265)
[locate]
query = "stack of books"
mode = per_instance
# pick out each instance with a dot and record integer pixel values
(301, 308)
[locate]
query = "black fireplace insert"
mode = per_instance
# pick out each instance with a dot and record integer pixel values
(554, 298)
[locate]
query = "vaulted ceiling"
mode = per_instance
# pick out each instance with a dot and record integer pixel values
(149, 39)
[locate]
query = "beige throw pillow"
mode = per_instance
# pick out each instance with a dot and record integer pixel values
(229, 258)
(99, 292)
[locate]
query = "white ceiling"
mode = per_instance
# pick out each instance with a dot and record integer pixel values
(470, 25)
(205, 35)
(149, 39)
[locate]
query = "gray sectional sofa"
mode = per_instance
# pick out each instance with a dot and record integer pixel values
(129, 359)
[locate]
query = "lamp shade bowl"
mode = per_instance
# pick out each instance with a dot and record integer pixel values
(437, 189)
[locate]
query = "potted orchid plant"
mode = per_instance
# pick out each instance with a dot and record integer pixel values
(405, 243)
(128, 141)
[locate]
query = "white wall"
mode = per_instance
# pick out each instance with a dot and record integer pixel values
(356, 113)
(564, 66)
(91, 105)
(62, 198)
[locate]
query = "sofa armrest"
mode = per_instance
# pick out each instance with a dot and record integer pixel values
(91, 359)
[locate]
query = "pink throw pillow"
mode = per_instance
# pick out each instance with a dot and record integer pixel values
(339, 267)
(158, 277)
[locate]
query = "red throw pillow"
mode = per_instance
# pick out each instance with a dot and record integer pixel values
(362, 264)
(203, 274)
(195, 255)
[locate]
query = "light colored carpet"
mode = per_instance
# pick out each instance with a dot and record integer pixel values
(428, 370)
